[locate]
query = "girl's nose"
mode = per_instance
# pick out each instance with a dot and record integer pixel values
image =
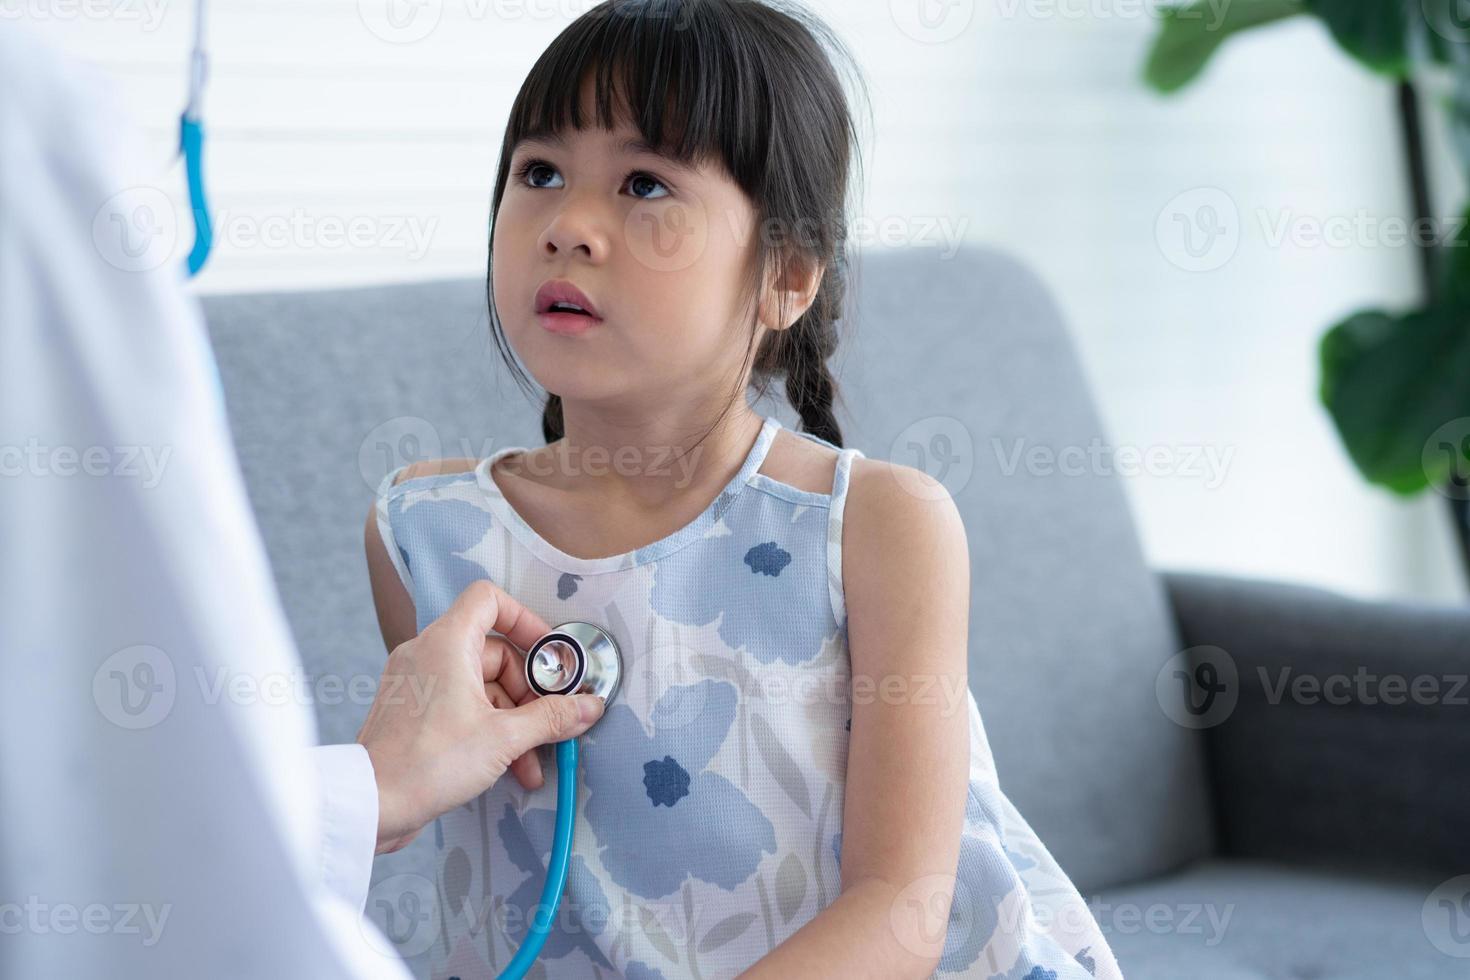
(578, 227)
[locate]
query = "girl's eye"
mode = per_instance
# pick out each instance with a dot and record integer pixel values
(530, 167)
(639, 181)
(638, 177)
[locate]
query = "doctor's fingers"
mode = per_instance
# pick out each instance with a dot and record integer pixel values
(487, 608)
(527, 767)
(502, 663)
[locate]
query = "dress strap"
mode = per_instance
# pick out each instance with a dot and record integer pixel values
(384, 518)
(841, 476)
(759, 450)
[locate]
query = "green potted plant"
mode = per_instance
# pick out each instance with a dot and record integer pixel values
(1397, 384)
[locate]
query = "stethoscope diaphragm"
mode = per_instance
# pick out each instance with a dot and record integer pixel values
(575, 658)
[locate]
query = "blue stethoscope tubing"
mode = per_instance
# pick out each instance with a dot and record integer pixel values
(191, 145)
(556, 871)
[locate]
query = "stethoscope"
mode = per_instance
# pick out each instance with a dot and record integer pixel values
(191, 145)
(574, 658)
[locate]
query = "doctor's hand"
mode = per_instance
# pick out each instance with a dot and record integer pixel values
(453, 712)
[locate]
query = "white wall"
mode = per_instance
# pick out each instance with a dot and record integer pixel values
(1028, 128)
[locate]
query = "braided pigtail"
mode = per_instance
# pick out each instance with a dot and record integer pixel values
(800, 354)
(552, 426)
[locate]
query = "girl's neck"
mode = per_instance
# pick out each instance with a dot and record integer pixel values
(642, 462)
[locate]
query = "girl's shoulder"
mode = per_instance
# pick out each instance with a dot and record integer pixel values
(800, 463)
(885, 492)
(901, 525)
(434, 467)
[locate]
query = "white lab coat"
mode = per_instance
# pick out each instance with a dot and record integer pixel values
(157, 819)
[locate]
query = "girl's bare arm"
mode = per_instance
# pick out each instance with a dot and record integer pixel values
(396, 617)
(906, 575)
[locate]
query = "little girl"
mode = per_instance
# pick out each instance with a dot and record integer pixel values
(793, 779)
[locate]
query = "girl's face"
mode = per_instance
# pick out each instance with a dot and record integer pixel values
(660, 251)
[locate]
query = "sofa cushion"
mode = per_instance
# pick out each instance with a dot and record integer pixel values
(1250, 920)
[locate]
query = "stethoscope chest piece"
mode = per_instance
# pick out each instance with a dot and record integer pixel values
(575, 658)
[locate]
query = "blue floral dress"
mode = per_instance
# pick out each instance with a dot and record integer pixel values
(709, 822)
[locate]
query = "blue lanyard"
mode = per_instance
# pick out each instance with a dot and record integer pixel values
(191, 145)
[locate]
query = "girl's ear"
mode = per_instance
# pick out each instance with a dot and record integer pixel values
(795, 286)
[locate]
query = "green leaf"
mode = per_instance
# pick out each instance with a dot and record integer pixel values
(1389, 382)
(1451, 262)
(1375, 32)
(1190, 33)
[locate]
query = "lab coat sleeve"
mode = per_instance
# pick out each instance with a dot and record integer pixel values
(168, 813)
(349, 819)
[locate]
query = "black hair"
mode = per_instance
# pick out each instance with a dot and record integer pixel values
(747, 84)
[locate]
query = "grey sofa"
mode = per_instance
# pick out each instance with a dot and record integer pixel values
(1285, 839)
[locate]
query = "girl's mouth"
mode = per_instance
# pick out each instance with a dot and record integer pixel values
(564, 309)
(566, 322)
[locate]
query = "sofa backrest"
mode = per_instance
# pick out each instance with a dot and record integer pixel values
(958, 364)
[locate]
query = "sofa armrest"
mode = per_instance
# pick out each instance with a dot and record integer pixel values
(1350, 738)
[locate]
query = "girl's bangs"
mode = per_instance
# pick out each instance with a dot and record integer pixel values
(661, 66)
